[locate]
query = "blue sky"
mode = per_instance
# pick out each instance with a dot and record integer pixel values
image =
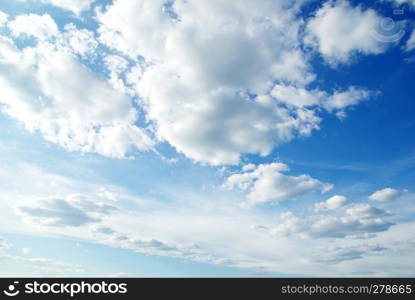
(186, 138)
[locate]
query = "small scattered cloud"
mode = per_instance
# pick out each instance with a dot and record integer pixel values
(267, 183)
(332, 203)
(386, 194)
(339, 31)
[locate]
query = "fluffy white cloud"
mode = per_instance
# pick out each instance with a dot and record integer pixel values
(355, 223)
(81, 41)
(73, 211)
(332, 203)
(336, 102)
(211, 67)
(339, 31)
(206, 60)
(366, 211)
(268, 183)
(400, 2)
(47, 92)
(359, 220)
(39, 26)
(76, 6)
(385, 194)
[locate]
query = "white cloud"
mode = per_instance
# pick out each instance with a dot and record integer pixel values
(410, 44)
(366, 211)
(76, 6)
(81, 41)
(204, 58)
(26, 250)
(47, 92)
(336, 254)
(336, 102)
(267, 183)
(39, 26)
(331, 227)
(339, 31)
(359, 220)
(400, 2)
(73, 211)
(332, 203)
(385, 194)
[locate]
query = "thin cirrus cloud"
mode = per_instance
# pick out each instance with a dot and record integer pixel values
(73, 211)
(75, 6)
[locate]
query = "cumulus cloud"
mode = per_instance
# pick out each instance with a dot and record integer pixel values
(366, 211)
(47, 92)
(76, 6)
(336, 102)
(210, 65)
(42, 27)
(385, 194)
(351, 225)
(236, 72)
(81, 41)
(339, 31)
(359, 220)
(267, 183)
(332, 203)
(73, 211)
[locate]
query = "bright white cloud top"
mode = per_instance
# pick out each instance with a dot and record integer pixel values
(158, 127)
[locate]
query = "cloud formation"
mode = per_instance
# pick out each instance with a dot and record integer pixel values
(340, 31)
(386, 194)
(211, 66)
(47, 92)
(332, 203)
(267, 183)
(74, 211)
(359, 220)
